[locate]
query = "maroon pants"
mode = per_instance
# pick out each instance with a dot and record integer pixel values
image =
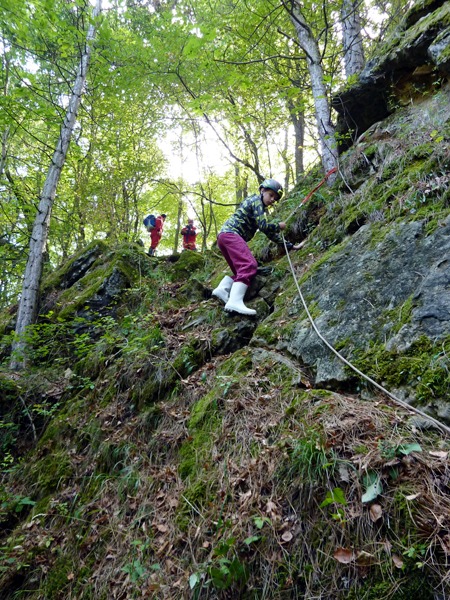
(238, 256)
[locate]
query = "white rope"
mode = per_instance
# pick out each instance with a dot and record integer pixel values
(438, 424)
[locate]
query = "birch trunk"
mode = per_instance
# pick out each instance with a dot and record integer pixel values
(29, 300)
(351, 36)
(322, 107)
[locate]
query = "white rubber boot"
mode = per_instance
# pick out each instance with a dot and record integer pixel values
(222, 291)
(236, 301)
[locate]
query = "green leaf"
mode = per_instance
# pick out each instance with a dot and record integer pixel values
(194, 580)
(372, 491)
(251, 539)
(409, 448)
(335, 496)
(260, 521)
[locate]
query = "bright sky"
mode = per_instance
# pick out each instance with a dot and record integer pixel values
(186, 164)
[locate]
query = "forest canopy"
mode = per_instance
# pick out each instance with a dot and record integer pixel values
(228, 92)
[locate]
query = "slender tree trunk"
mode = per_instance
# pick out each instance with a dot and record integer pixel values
(322, 107)
(28, 304)
(239, 191)
(178, 228)
(298, 121)
(351, 36)
(5, 133)
(287, 165)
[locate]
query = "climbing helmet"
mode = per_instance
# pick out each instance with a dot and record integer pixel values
(272, 184)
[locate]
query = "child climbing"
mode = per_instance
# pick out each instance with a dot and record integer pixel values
(156, 234)
(232, 242)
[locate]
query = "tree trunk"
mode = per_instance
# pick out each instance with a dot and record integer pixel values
(239, 193)
(298, 121)
(28, 304)
(322, 107)
(178, 226)
(352, 39)
(5, 133)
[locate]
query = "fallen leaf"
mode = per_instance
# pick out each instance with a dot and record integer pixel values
(344, 555)
(398, 562)
(287, 536)
(375, 512)
(271, 508)
(374, 490)
(364, 559)
(438, 453)
(413, 496)
(344, 474)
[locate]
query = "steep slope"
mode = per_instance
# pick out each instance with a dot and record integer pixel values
(160, 448)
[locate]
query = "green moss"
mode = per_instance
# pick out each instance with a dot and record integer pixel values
(203, 409)
(189, 359)
(239, 362)
(399, 316)
(194, 452)
(188, 263)
(57, 579)
(48, 473)
(205, 419)
(423, 367)
(401, 586)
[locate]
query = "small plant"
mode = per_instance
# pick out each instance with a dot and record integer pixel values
(309, 458)
(261, 521)
(136, 568)
(336, 496)
(390, 451)
(224, 570)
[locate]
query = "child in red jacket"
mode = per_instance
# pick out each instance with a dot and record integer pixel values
(156, 234)
(189, 234)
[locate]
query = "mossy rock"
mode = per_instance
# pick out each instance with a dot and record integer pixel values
(75, 268)
(92, 281)
(188, 263)
(240, 362)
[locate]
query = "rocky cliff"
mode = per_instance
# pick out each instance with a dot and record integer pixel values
(160, 448)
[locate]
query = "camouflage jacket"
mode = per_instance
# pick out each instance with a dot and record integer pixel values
(248, 218)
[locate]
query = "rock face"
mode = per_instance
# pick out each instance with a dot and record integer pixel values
(361, 290)
(375, 271)
(415, 59)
